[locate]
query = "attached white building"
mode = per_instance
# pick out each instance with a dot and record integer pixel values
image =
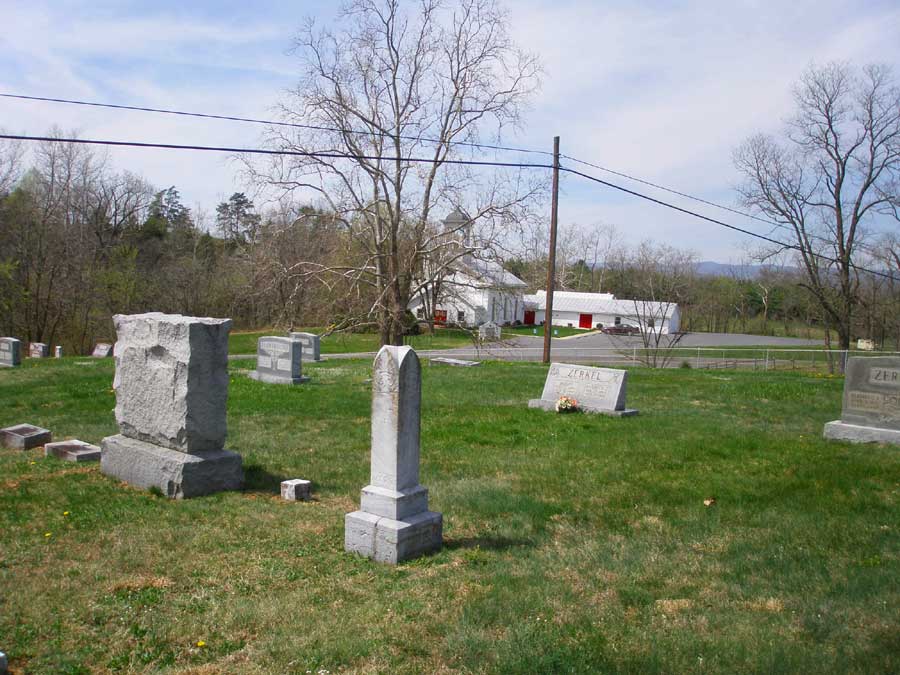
(599, 310)
(477, 292)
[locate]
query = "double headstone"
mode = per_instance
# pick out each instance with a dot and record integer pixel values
(311, 347)
(10, 352)
(279, 360)
(870, 410)
(38, 350)
(394, 523)
(488, 331)
(597, 390)
(171, 387)
(102, 350)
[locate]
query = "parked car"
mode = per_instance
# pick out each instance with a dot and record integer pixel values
(622, 329)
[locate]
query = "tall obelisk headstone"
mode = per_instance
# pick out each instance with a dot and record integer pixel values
(171, 387)
(394, 523)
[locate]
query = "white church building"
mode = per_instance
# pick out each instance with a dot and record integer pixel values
(601, 310)
(474, 291)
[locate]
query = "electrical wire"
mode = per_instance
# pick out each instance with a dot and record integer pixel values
(721, 223)
(253, 120)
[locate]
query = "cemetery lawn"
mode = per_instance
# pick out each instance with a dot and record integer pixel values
(353, 343)
(573, 543)
(560, 331)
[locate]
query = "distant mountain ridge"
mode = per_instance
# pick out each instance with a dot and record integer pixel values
(711, 268)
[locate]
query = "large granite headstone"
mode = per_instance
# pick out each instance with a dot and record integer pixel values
(171, 387)
(102, 350)
(279, 361)
(394, 523)
(597, 390)
(311, 346)
(38, 350)
(488, 331)
(870, 410)
(10, 352)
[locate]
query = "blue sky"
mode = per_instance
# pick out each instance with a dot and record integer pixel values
(661, 90)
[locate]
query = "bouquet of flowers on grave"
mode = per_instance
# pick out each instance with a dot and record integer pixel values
(566, 404)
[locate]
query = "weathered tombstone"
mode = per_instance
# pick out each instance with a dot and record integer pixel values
(279, 361)
(597, 390)
(295, 490)
(24, 437)
(394, 523)
(870, 410)
(865, 345)
(460, 363)
(38, 350)
(488, 331)
(10, 352)
(311, 346)
(102, 350)
(57, 352)
(72, 451)
(171, 387)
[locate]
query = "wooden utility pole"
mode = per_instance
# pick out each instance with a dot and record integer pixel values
(551, 257)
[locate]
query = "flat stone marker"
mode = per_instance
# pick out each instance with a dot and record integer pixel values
(311, 346)
(38, 350)
(394, 523)
(102, 350)
(279, 361)
(295, 490)
(10, 352)
(488, 331)
(597, 390)
(171, 387)
(870, 410)
(24, 437)
(72, 451)
(455, 362)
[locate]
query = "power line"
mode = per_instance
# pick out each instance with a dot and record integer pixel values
(426, 160)
(263, 151)
(253, 120)
(721, 223)
(673, 191)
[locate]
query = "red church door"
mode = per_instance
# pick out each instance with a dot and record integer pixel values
(584, 320)
(440, 316)
(529, 317)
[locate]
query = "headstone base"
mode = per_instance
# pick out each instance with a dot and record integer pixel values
(72, 451)
(551, 405)
(24, 437)
(393, 541)
(841, 431)
(295, 490)
(380, 501)
(274, 379)
(178, 475)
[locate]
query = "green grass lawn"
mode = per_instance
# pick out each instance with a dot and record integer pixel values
(558, 331)
(573, 544)
(350, 343)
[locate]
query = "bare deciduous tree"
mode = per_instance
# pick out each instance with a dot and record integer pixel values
(836, 167)
(391, 79)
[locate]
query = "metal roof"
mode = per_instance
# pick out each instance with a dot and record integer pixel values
(601, 303)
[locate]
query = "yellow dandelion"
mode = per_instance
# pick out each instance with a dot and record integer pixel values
(47, 534)
(34, 462)
(201, 643)
(65, 513)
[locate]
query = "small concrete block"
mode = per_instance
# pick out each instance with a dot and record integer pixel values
(72, 451)
(177, 474)
(541, 404)
(359, 533)
(4, 664)
(295, 489)
(399, 540)
(24, 437)
(854, 433)
(392, 504)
